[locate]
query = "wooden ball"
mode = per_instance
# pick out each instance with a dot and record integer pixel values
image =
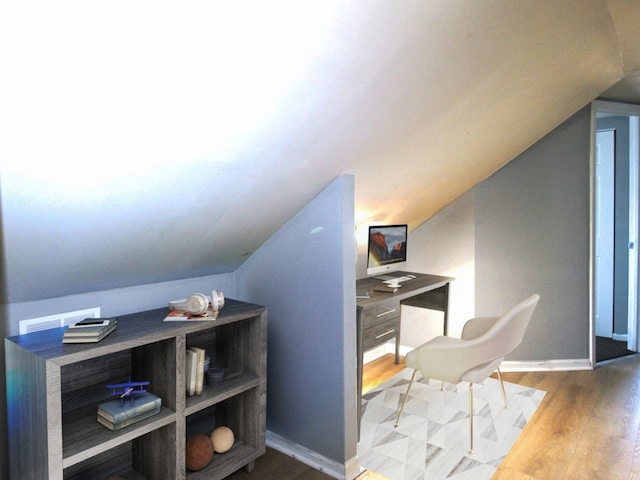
(199, 452)
(222, 439)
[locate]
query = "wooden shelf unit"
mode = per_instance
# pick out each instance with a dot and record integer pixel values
(54, 389)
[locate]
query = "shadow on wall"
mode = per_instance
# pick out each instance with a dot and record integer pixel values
(4, 467)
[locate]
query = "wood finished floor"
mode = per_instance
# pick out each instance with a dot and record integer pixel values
(587, 427)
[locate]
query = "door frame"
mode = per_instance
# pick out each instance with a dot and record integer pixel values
(603, 269)
(602, 106)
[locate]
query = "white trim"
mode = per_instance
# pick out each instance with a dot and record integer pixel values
(350, 470)
(592, 232)
(607, 106)
(379, 351)
(56, 320)
(634, 149)
(621, 337)
(630, 110)
(404, 350)
(353, 468)
(534, 365)
(546, 365)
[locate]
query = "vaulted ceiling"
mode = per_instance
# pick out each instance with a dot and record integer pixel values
(141, 142)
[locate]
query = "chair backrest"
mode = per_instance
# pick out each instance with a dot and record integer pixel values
(507, 333)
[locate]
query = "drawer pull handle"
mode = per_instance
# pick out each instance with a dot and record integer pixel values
(385, 334)
(385, 313)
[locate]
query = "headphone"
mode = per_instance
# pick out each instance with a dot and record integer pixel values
(217, 300)
(198, 303)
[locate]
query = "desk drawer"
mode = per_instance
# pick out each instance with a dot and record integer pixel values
(380, 313)
(380, 333)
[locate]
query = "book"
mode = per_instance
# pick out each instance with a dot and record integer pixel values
(87, 334)
(386, 289)
(129, 421)
(94, 322)
(362, 294)
(191, 371)
(182, 315)
(116, 411)
(200, 356)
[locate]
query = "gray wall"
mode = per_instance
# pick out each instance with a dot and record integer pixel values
(445, 245)
(120, 301)
(532, 235)
(305, 274)
(523, 230)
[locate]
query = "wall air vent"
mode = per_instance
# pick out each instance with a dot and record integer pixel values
(57, 320)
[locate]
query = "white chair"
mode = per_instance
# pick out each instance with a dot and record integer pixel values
(477, 354)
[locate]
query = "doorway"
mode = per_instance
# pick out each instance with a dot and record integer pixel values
(615, 211)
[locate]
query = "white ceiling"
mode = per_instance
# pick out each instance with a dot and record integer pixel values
(142, 142)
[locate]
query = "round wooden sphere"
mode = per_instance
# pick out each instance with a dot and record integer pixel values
(199, 452)
(222, 439)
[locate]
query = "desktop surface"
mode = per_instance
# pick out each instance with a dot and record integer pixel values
(378, 314)
(411, 284)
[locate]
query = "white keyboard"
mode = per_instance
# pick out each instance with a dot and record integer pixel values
(399, 279)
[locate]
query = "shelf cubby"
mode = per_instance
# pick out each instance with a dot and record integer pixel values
(54, 389)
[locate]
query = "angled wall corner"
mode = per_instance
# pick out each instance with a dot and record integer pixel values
(305, 275)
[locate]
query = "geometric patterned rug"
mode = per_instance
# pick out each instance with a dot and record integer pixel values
(432, 440)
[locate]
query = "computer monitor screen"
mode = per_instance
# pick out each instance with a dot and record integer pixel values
(387, 249)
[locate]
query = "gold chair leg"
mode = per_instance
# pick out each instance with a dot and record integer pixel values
(504, 392)
(470, 418)
(404, 400)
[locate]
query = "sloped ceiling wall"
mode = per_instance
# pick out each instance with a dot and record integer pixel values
(142, 142)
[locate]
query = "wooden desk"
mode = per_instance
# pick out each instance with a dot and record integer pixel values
(378, 317)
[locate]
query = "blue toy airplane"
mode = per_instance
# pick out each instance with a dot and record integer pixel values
(127, 390)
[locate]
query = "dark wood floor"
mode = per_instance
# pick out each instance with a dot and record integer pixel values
(277, 466)
(587, 427)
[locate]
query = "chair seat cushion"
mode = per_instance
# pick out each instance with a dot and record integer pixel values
(411, 359)
(479, 373)
(484, 344)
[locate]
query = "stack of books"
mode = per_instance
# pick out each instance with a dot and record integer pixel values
(194, 378)
(89, 330)
(116, 414)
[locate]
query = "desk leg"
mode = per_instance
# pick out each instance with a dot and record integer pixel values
(437, 299)
(360, 353)
(398, 342)
(445, 308)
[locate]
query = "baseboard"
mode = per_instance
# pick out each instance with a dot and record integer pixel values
(379, 351)
(535, 366)
(621, 337)
(349, 471)
(546, 365)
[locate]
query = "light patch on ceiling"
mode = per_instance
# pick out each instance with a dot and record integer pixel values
(100, 92)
